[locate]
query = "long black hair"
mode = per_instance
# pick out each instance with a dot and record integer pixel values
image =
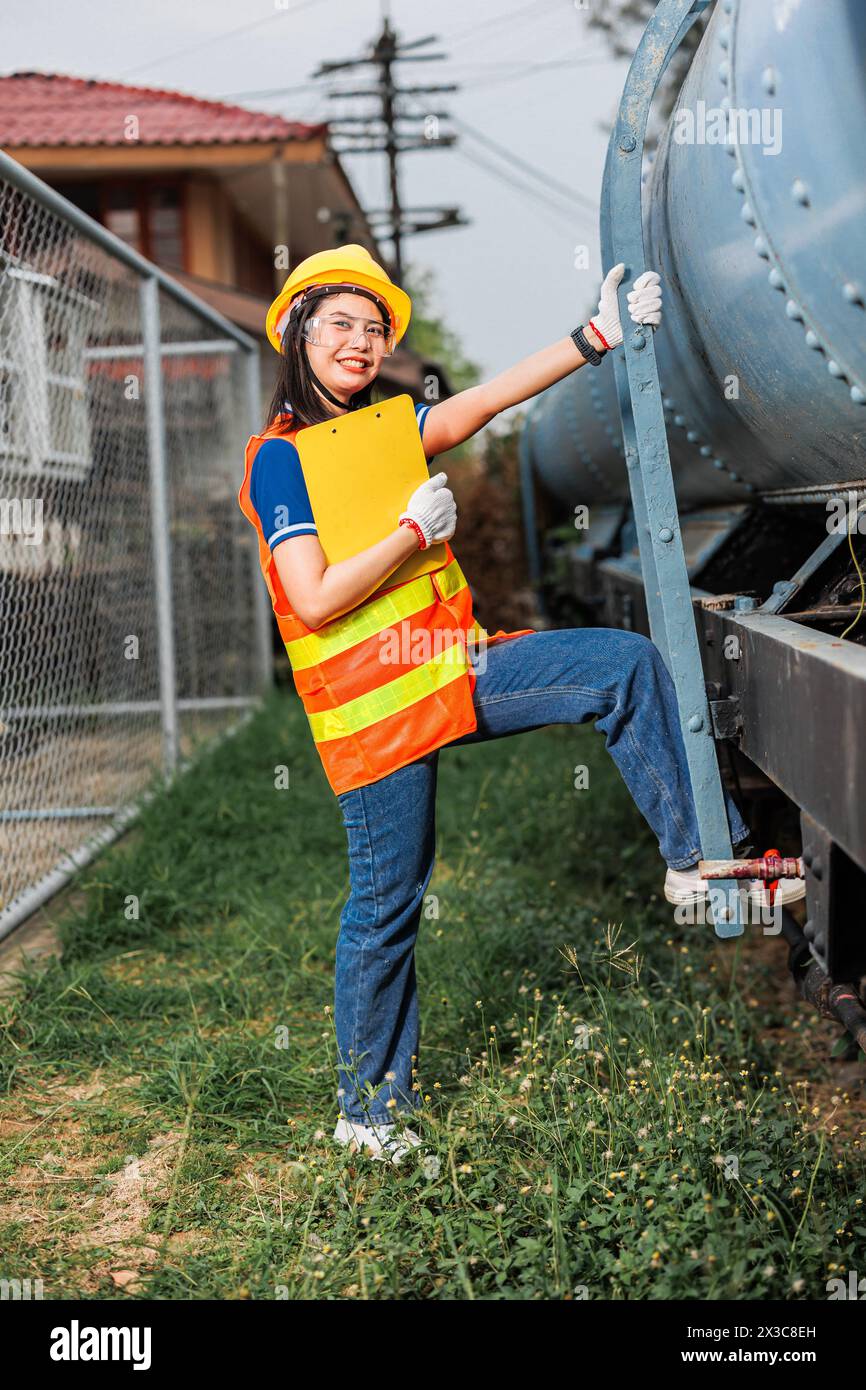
(294, 384)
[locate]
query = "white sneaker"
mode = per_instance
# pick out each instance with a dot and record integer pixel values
(685, 886)
(388, 1142)
(789, 890)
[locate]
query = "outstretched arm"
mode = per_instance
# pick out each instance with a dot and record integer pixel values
(451, 422)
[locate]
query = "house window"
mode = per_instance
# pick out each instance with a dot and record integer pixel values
(122, 214)
(148, 215)
(44, 412)
(165, 225)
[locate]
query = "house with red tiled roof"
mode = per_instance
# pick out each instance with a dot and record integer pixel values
(205, 189)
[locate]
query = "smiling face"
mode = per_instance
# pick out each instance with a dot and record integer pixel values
(345, 362)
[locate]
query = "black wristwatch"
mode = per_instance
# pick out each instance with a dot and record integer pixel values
(585, 347)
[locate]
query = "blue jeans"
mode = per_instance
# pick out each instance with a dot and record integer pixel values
(563, 676)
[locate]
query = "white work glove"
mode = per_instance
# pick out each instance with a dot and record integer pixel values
(644, 303)
(433, 507)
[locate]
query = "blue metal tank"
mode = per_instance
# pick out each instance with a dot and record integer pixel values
(761, 245)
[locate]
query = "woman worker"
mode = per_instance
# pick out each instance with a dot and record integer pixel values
(378, 725)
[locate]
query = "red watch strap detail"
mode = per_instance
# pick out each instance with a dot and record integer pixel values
(601, 335)
(408, 521)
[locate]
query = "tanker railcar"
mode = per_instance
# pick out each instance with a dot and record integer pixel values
(754, 212)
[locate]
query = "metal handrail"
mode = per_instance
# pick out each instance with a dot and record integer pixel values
(663, 564)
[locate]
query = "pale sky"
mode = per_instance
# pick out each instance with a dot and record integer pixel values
(506, 284)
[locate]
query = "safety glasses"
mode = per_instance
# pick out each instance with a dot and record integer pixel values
(334, 330)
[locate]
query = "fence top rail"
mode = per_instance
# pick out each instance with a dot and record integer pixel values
(21, 178)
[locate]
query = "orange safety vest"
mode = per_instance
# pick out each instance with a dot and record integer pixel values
(371, 709)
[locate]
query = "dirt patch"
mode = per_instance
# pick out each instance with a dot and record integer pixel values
(34, 942)
(122, 1213)
(11, 1127)
(47, 1112)
(101, 1209)
(114, 1216)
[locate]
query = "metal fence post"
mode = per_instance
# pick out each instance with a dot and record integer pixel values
(159, 520)
(72, 316)
(261, 601)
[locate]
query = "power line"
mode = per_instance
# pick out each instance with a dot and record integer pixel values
(218, 38)
(379, 132)
(552, 186)
(559, 189)
(524, 70)
(540, 209)
(482, 66)
(269, 92)
(567, 214)
(504, 19)
(528, 69)
(547, 179)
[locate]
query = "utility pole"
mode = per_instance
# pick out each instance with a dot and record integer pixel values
(379, 132)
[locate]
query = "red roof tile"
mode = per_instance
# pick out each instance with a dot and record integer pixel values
(42, 108)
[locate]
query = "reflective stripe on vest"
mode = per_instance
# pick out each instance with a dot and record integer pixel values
(403, 691)
(372, 617)
(364, 729)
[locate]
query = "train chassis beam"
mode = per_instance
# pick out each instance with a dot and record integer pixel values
(791, 699)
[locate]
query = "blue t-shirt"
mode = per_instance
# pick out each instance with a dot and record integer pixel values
(278, 491)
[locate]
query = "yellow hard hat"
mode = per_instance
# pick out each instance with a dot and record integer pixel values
(351, 265)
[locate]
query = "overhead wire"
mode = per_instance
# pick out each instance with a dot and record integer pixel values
(551, 185)
(547, 179)
(503, 20)
(491, 71)
(220, 38)
(524, 70)
(566, 215)
(527, 69)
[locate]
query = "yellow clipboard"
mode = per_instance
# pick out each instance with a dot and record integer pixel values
(361, 469)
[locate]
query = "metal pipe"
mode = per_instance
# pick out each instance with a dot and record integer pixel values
(262, 609)
(23, 906)
(124, 707)
(839, 1001)
(159, 519)
(815, 494)
(59, 813)
(202, 348)
(767, 868)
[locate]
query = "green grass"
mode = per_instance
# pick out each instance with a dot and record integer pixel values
(621, 1108)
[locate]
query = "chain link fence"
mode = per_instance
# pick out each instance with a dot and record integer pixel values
(133, 621)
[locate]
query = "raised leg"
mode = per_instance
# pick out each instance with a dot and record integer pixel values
(618, 678)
